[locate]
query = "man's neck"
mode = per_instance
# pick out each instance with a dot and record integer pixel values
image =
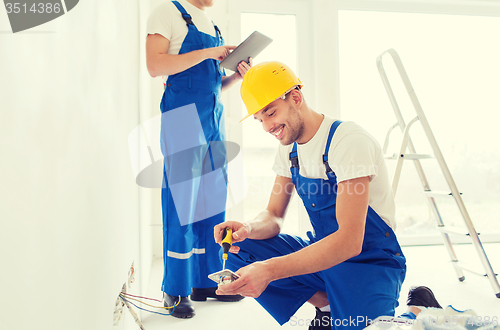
(312, 122)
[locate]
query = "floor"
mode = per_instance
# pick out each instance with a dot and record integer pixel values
(427, 265)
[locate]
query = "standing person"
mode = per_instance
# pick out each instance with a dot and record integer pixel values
(352, 267)
(185, 45)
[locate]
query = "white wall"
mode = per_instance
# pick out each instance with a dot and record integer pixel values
(70, 215)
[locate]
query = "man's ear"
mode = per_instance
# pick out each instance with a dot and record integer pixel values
(297, 97)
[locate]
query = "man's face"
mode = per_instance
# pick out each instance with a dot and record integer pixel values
(282, 119)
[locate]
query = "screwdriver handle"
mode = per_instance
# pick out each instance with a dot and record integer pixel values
(227, 240)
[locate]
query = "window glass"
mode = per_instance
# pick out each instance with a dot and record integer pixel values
(452, 62)
(259, 148)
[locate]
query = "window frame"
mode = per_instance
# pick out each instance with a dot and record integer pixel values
(233, 105)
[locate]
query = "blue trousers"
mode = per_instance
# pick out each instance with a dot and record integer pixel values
(355, 296)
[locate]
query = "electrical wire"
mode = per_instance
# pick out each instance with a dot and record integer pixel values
(129, 296)
(144, 309)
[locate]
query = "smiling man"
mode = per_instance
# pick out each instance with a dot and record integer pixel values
(352, 267)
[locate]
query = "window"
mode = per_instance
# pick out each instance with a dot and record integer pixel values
(452, 62)
(260, 147)
(281, 21)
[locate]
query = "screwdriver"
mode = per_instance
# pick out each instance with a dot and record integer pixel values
(227, 240)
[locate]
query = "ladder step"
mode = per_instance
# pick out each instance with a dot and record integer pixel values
(454, 230)
(435, 193)
(409, 156)
(464, 266)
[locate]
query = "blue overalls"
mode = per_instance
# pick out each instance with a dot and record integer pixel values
(189, 251)
(359, 289)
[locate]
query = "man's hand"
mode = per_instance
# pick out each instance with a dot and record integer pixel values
(218, 53)
(253, 280)
(243, 67)
(241, 231)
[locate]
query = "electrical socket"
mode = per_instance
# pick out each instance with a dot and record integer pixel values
(118, 312)
(131, 276)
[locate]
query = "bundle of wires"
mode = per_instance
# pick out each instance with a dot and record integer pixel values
(128, 298)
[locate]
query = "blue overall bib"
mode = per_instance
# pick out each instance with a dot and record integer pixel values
(359, 289)
(189, 251)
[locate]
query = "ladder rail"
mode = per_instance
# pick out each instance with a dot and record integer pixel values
(386, 141)
(402, 125)
(402, 151)
(399, 116)
(432, 140)
(430, 200)
(440, 158)
(418, 166)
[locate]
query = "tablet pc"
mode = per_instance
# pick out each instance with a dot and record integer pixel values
(250, 47)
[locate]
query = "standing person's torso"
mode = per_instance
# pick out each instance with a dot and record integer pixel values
(167, 21)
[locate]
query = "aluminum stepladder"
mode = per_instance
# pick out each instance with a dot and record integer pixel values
(415, 157)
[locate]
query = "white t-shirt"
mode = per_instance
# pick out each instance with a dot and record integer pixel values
(167, 20)
(353, 153)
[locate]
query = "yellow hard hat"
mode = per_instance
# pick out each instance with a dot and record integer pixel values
(265, 83)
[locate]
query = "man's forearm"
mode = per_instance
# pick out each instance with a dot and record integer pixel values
(167, 64)
(265, 225)
(335, 248)
(229, 81)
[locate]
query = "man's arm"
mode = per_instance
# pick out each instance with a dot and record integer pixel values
(268, 223)
(229, 81)
(345, 243)
(160, 63)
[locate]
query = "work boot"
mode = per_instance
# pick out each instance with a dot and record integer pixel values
(183, 310)
(322, 321)
(203, 294)
(422, 296)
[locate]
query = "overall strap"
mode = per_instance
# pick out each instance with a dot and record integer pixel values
(217, 31)
(333, 128)
(294, 169)
(184, 13)
(294, 157)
